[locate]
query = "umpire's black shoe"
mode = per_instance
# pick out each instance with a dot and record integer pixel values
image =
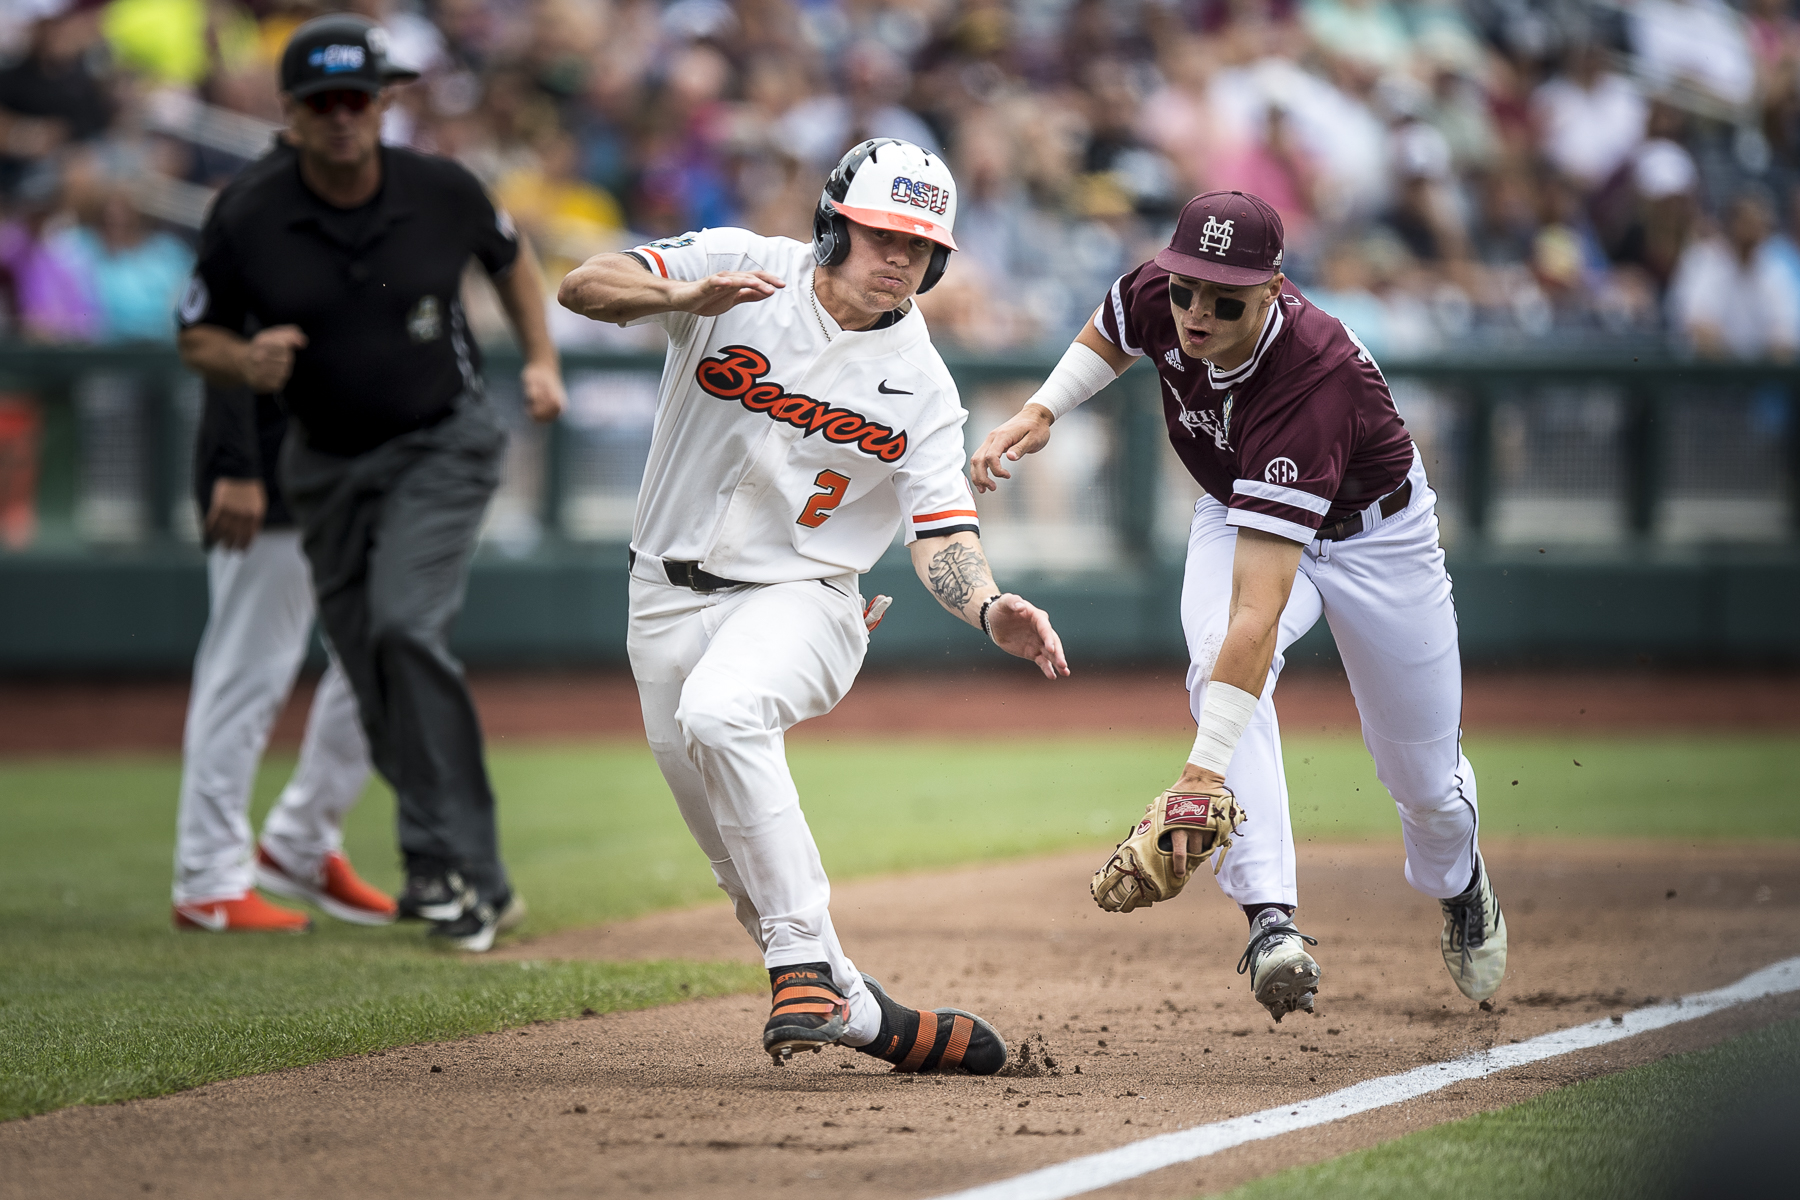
(808, 1013)
(941, 1039)
(433, 895)
(473, 930)
(480, 922)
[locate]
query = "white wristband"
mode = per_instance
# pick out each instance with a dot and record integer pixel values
(1079, 375)
(1222, 721)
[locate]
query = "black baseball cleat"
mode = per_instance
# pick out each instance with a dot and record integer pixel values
(941, 1039)
(473, 930)
(480, 922)
(433, 894)
(808, 1012)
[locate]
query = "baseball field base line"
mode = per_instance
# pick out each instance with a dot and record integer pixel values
(1095, 1171)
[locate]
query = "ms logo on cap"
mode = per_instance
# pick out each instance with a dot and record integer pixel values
(336, 59)
(1215, 235)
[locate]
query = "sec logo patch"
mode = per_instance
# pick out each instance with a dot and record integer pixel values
(1281, 470)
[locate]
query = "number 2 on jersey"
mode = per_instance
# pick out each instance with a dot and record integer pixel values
(819, 507)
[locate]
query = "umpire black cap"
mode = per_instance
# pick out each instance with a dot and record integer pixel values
(339, 51)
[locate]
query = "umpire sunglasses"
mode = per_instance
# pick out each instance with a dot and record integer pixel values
(1225, 308)
(350, 98)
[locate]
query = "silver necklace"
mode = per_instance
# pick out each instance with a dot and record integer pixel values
(812, 294)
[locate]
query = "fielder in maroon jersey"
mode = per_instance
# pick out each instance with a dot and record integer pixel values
(1316, 505)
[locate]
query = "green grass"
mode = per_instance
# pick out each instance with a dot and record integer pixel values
(1631, 1135)
(1743, 784)
(99, 1000)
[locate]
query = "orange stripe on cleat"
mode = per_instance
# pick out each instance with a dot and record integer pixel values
(801, 993)
(922, 1044)
(789, 1010)
(961, 1030)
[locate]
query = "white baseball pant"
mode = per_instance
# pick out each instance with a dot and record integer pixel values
(261, 611)
(722, 678)
(1387, 598)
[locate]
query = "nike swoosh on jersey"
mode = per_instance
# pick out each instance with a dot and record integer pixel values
(215, 919)
(885, 390)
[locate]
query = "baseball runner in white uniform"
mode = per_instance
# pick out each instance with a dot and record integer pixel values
(803, 415)
(260, 613)
(1316, 504)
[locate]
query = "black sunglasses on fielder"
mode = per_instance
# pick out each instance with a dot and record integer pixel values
(1225, 308)
(350, 98)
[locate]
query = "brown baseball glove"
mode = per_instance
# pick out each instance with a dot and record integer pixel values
(1141, 870)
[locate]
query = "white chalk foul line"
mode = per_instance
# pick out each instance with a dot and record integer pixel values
(1095, 1171)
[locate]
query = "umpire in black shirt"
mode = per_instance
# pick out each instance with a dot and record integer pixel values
(349, 256)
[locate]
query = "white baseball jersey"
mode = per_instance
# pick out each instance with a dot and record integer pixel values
(782, 452)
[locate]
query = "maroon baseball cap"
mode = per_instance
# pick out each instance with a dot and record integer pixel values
(1232, 238)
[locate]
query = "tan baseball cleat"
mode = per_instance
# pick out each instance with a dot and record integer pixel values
(1283, 976)
(1474, 937)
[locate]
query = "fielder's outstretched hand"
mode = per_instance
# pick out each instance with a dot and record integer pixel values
(1023, 630)
(1026, 432)
(724, 291)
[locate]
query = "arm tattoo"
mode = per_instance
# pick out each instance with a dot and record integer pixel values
(956, 574)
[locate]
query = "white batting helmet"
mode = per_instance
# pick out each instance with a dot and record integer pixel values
(885, 183)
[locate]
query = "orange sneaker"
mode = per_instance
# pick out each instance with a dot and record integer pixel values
(338, 890)
(248, 913)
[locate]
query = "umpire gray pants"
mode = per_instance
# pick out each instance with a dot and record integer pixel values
(389, 535)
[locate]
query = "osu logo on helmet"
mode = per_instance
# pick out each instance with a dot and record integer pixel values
(928, 196)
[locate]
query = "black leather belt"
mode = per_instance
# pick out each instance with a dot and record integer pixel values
(1352, 525)
(689, 575)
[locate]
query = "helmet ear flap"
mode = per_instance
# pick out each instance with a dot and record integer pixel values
(831, 234)
(940, 259)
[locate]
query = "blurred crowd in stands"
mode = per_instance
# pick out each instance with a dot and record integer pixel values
(1453, 173)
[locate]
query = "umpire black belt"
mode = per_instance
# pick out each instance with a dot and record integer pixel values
(1352, 525)
(689, 575)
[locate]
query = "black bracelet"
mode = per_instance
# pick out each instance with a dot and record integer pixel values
(987, 604)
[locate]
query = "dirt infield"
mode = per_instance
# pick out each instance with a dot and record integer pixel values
(60, 718)
(1136, 1025)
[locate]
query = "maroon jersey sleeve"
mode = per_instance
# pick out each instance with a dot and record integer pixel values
(1333, 442)
(1118, 321)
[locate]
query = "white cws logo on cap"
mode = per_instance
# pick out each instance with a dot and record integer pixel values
(334, 59)
(903, 188)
